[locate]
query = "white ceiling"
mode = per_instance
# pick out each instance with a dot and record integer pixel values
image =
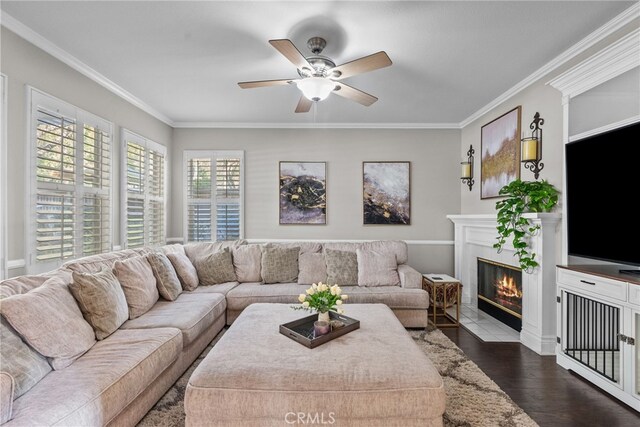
(184, 58)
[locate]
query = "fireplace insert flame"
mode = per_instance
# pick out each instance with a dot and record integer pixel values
(500, 292)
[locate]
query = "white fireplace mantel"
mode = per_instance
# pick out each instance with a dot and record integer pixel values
(475, 236)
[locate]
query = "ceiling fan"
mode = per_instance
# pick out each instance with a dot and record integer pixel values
(319, 76)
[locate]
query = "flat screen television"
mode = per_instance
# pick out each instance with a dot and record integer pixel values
(602, 194)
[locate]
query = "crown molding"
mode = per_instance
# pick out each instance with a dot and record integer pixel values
(231, 125)
(610, 62)
(598, 35)
(62, 55)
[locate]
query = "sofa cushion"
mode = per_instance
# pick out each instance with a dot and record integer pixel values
(7, 390)
(185, 270)
(222, 288)
(341, 246)
(397, 247)
(342, 267)
(95, 263)
(173, 248)
(20, 285)
(396, 297)
(101, 300)
(25, 365)
(377, 268)
(215, 268)
(279, 265)
(246, 294)
(305, 247)
(66, 336)
(312, 268)
(191, 313)
(199, 249)
(247, 261)
(100, 384)
(167, 280)
(138, 283)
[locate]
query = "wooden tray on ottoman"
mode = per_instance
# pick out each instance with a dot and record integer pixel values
(301, 330)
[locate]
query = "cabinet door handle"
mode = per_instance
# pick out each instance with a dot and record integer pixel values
(587, 283)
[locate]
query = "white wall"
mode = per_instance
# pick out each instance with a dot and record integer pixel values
(24, 64)
(435, 183)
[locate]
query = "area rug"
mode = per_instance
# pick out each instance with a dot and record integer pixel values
(473, 399)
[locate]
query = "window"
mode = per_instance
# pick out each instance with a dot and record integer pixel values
(71, 181)
(144, 167)
(213, 205)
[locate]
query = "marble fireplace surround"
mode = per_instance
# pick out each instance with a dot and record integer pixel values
(475, 236)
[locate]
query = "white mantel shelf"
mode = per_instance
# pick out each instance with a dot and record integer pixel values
(475, 235)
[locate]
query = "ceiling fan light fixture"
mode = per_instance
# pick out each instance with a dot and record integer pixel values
(316, 88)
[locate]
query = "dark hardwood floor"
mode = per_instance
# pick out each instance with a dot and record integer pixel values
(551, 395)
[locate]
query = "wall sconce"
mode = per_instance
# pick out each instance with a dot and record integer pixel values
(467, 169)
(532, 147)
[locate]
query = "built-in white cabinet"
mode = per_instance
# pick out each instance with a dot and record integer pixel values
(599, 328)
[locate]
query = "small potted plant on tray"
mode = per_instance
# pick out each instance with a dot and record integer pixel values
(323, 299)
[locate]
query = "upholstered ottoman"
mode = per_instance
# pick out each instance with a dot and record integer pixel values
(374, 376)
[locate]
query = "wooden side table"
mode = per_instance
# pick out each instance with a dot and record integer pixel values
(444, 292)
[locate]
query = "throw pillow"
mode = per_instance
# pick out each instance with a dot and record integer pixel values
(377, 268)
(216, 268)
(138, 283)
(199, 249)
(166, 278)
(25, 365)
(66, 336)
(101, 300)
(246, 262)
(7, 391)
(342, 267)
(186, 271)
(313, 268)
(280, 265)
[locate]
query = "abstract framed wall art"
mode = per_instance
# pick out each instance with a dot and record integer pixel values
(386, 193)
(303, 193)
(500, 148)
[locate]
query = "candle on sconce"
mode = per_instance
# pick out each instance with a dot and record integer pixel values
(529, 149)
(466, 170)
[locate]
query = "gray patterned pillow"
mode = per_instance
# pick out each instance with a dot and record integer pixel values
(342, 267)
(280, 265)
(166, 278)
(24, 364)
(101, 300)
(216, 268)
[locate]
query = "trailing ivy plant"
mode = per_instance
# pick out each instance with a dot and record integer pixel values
(523, 197)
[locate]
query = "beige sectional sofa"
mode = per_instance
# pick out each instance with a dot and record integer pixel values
(116, 380)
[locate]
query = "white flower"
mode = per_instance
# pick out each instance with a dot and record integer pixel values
(302, 297)
(310, 291)
(340, 311)
(323, 287)
(339, 302)
(305, 304)
(344, 297)
(333, 292)
(314, 286)
(338, 290)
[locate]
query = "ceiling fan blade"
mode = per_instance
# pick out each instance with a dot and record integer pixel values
(291, 52)
(265, 83)
(362, 65)
(354, 94)
(304, 105)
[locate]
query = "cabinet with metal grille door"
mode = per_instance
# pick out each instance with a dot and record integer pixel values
(598, 329)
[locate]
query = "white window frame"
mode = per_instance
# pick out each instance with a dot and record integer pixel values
(128, 136)
(214, 155)
(3, 177)
(37, 99)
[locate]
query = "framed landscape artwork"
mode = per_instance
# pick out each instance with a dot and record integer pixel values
(387, 193)
(303, 193)
(500, 153)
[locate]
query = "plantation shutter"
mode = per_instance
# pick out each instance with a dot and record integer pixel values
(145, 191)
(72, 183)
(213, 205)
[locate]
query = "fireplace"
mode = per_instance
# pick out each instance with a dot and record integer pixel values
(500, 292)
